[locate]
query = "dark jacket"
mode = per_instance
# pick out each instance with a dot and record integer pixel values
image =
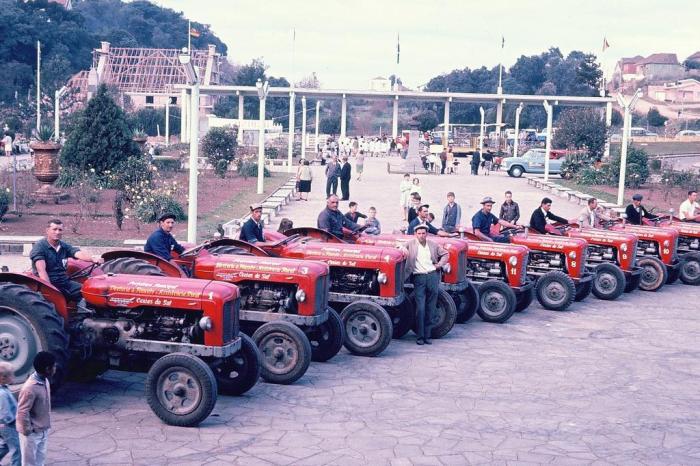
(510, 212)
(412, 214)
(345, 172)
(332, 170)
(354, 217)
(417, 221)
(161, 244)
(56, 261)
(333, 222)
(252, 232)
(538, 221)
(451, 217)
(635, 218)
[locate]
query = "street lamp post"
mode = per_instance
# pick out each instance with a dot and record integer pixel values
(516, 138)
(627, 122)
(193, 81)
(57, 112)
(263, 89)
(303, 127)
(318, 109)
(548, 145)
(481, 133)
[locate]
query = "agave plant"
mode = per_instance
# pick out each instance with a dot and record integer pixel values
(44, 133)
(139, 133)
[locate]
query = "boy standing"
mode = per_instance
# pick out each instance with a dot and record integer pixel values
(34, 410)
(9, 440)
(372, 223)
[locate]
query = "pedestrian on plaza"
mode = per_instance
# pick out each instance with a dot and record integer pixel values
(7, 143)
(476, 160)
(353, 215)
(405, 189)
(9, 439)
(451, 167)
(34, 410)
(689, 211)
(304, 178)
(487, 163)
(252, 231)
(424, 261)
(345, 176)
(416, 188)
(443, 160)
(451, 214)
(412, 212)
(332, 174)
(392, 146)
(360, 165)
(161, 242)
(636, 213)
(592, 215)
(372, 225)
(483, 220)
(538, 219)
(433, 162)
(510, 211)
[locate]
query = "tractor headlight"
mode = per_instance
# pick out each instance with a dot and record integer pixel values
(513, 261)
(623, 247)
(300, 295)
(382, 278)
(205, 323)
(667, 243)
(572, 255)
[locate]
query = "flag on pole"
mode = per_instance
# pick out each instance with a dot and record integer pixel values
(606, 45)
(398, 49)
(194, 33)
(503, 41)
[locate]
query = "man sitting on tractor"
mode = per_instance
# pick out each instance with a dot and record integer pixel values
(636, 212)
(252, 231)
(592, 215)
(331, 220)
(50, 256)
(689, 210)
(538, 220)
(161, 242)
(484, 219)
(424, 219)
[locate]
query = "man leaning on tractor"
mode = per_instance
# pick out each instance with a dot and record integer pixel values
(50, 256)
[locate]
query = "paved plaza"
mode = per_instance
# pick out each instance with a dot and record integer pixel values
(603, 383)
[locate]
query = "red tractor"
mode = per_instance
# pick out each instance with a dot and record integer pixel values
(688, 248)
(284, 303)
(184, 332)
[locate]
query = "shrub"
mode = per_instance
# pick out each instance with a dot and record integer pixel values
(167, 165)
(132, 172)
(248, 168)
(150, 209)
(637, 168)
(219, 146)
(655, 164)
(69, 177)
(591, 176)
(681, 178)
(5, 200)
(272, 152)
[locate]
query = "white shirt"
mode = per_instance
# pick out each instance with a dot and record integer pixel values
(424, 263)
(7, 140)
(687, 209)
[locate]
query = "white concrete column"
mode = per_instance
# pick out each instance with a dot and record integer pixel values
(318, 108)
(446, 136)
(303, 127)
(184, 105)
(548, 145)
(343, 116)
(261, 147)
(194, 166)
(516, 140)
(627, 120)
(608, 124)
(240, 118)
(290, 143)
(481, 133)
(395, 119)
(499, 121)
(167, 122)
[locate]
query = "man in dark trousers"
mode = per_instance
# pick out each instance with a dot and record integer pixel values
(161, 242)
(50, 256)
(636, 212)
(538, 220)
(476, 161)
(252, 231)
(345, 175)
(332, 174)
(424, 260)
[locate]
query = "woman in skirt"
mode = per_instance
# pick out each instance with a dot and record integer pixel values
(304, 178)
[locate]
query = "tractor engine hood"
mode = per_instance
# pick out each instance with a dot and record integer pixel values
(605, 237)
(650, 233)
(550, 243)
(347, 255)
(270, 269)
(500, 251)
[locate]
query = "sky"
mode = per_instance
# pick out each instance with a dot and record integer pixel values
(349, 42)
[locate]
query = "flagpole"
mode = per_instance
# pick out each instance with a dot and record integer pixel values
(189, 37)
(500, 69)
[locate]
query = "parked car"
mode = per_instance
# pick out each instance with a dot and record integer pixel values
(531, 161)
(688, 132)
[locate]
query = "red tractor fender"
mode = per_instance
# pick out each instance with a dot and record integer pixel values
(168, 268)
(251, 248)
(47, 290)
(315, 233)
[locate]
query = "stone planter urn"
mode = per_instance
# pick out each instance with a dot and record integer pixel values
(141, 141)
(46, 169)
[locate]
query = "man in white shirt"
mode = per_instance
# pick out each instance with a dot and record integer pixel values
(7, 142)
(690, 209)
(592, 215)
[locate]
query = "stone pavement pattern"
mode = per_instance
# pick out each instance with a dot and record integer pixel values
(603, 383)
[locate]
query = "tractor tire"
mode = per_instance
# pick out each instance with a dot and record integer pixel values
(466, 301)
(555, 291)
(496, 302)
(326, 339)
(403, 318)
(228, 250)
(29, 324)
(633, 283)
(368, 328)
(285, 351)
(444, 318)
(181, 389)
(654, 274)
(609, 282)
(86, 371)
(690, 268)
(131, 266)
(673, 275)
(583, 290)
(239, 372)
(515, 172)
(524, 300)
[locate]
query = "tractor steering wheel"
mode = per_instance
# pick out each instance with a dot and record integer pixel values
(84, 272)
(285, 241)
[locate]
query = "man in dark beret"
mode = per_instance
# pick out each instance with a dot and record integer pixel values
(161, 242)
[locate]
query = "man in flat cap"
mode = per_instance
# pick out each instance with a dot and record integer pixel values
(252, 231)
(636, 212)
(161, 242)
(424, 260)
(484, 219)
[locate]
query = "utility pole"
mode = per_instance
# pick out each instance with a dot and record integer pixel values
(627, 120)
(38, 85)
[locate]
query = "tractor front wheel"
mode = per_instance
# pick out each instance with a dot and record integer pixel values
(654, 274)
(609, 282)
(690, 268)
(496, 302)
(555, 291)
(239, 372)
(368, 328)
(467, 302)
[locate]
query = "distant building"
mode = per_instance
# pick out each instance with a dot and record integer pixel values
(694, 57)
(380, 83)
(686, 91)
(67, 4)
(655, 68)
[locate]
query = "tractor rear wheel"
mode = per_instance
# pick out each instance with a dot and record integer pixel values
(402, 318)
(524, 300)
(555, 291)
(29, 324)
(583, 289)
(228, 250)
(285, 350)
(673, 275)
(609, 282)
(690, 268)
(443, 319)
(368, 328)
(496, 302)
(131, 266)
(654, 274)
(326, 339)
(181, 389)
(467, 301)
(239, 372)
